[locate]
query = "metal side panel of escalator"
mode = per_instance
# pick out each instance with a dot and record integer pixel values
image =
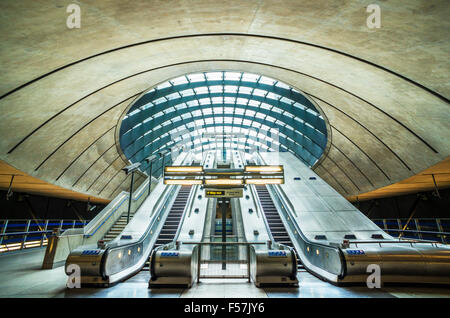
(276, 226)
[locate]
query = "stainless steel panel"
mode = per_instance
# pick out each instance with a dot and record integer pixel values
(308, 220)
(330, 221)
(356, 221)
(338, 203)
(308, 204)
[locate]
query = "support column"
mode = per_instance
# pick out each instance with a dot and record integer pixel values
(223, 206)
(130, 197)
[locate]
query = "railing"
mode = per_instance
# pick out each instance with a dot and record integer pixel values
(324, 260)
(129, 263)
(21, 233)
(223, 268)
(430, 229)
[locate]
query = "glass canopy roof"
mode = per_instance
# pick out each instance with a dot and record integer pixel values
(223, 110)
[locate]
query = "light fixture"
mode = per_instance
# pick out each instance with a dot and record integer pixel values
(183, 169)
(183, 181)
(263, 168)
(151, 158)
(223, 181)
(131, 168)
(265, 181)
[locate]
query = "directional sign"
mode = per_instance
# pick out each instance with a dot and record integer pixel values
(224, 193)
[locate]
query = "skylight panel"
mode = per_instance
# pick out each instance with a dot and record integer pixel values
(146, 106)
(273, 96)
(216, 89)
(201, 90)
(230, 89)
(179, 80)
(242, 101)
(247, 77)
(163, 85)
(286, 100)
(229, 100)
(228, 110)
(217, 100)
(232, 76)
(204, 101)
(187, 92)
(259, 92)
(250, 113)
(214, 76)
(172, 96)
(266, 80)
(193, 78)
(192, 103)
(159, 101)
(254, 103)
(245, 90)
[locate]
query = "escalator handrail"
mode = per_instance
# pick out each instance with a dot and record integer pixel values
(286, 202)
(261, 209)
(99, 222)
(277, 191)
(167, 194)
(187, 207)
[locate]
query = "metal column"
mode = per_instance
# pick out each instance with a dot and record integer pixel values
(130, 197)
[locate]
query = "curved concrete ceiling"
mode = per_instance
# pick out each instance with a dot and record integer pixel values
(383, 91)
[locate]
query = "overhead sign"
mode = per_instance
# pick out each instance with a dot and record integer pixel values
(224, 193)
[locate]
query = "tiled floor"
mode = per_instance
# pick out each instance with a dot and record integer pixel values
(21, 276)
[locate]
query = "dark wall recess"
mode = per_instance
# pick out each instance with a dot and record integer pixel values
(421, 205)
(29, 206)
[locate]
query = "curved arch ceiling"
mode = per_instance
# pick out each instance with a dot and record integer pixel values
(384, 92)
(240, 103)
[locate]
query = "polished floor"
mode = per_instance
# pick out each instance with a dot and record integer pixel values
(21, 276)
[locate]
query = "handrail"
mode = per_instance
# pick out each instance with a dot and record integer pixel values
(101, 215)
(24, 233)
(415, 231)
(296, 225)
(189, 205)
(404, 241)
(135, 197)
(223, 243)
(160, 210)
(107, 218)
(319, 270)
(263, 216)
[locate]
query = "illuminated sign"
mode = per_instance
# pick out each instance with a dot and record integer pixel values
(223, 193)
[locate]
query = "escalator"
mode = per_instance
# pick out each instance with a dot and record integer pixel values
(276, 226)
(117, 228)
(170, 227)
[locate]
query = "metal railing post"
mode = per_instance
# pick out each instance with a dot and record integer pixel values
(199, 258)
(130, 197)
(248, 263)
(418, 228)
(25, 236)
(440, 229)
(3, 231)
(44, 234)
